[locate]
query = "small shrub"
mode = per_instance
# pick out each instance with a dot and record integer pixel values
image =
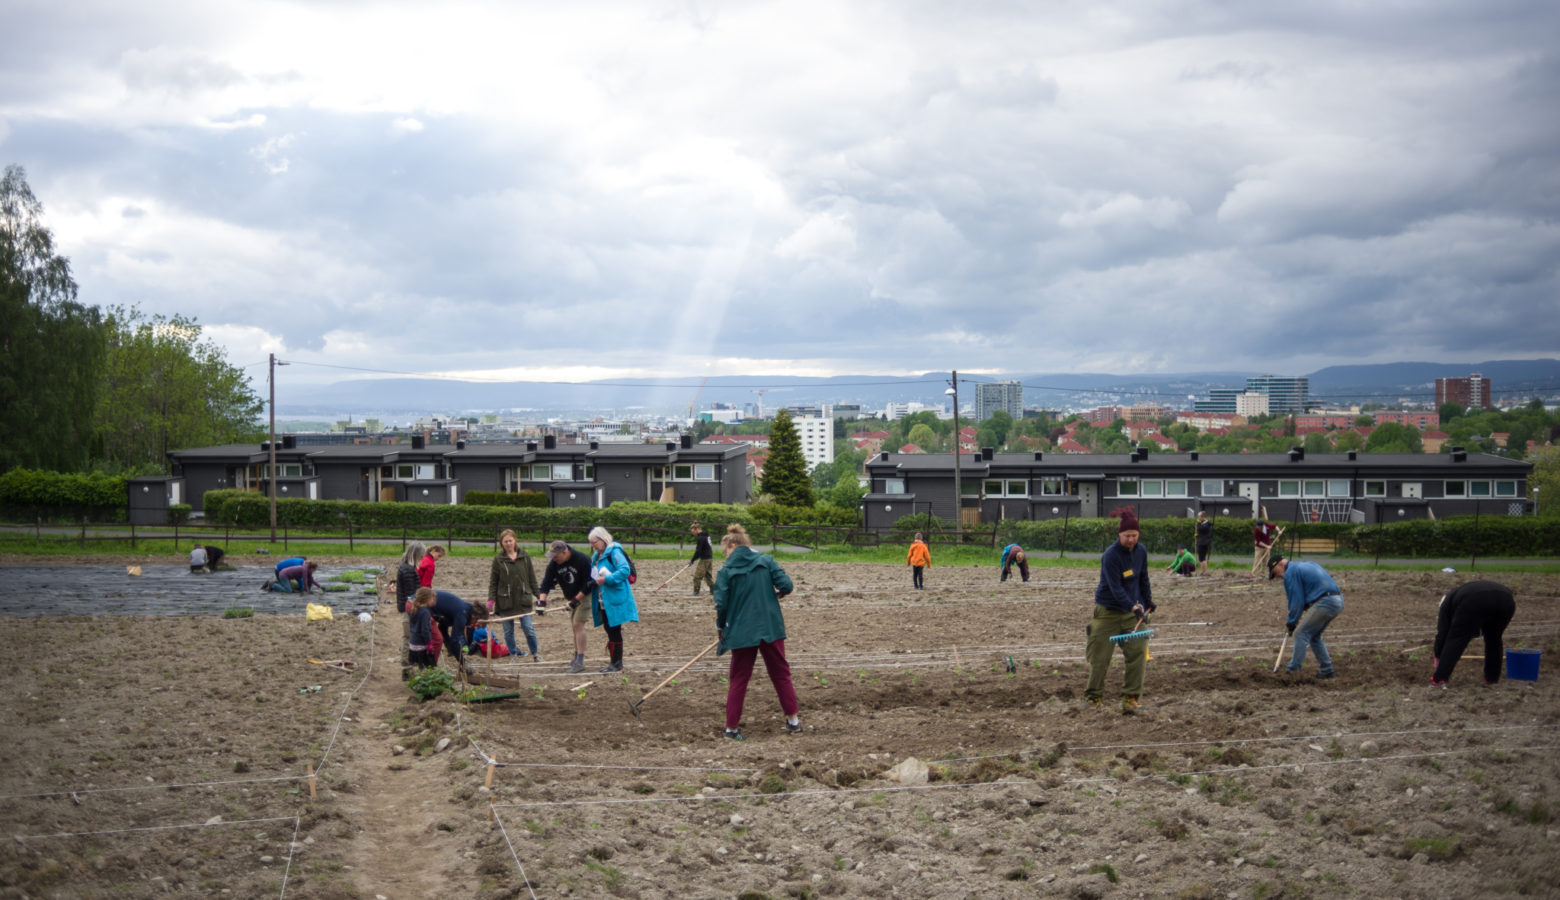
(238, 612)
(430, 683)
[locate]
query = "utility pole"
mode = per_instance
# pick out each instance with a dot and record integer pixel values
(958, 487)
(271, 475)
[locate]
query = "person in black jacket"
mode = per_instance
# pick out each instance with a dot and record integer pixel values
(1477, 607)
(406, 585)
(703, 559)
(1204, 541)
(454, 618)
(569, 571)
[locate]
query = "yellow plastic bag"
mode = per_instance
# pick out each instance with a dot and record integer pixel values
(316, 612)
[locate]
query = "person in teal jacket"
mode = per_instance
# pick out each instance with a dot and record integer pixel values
(1013, 555)
(612, 599)
(748, 618)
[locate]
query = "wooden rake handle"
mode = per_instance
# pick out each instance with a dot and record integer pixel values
(669, 678)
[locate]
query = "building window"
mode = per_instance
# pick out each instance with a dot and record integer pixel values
(1375, 488)
(682, 472)
(893, 485)
(1175, 488)
(1478, 488)
(1153, 488)
(969, 488)
(1316, 489)
(1051, 487)
(290, 470)
(1127, 487)
(1289, 488)
(704, 472)
(1213, 488)
(1338, 487)
(414, 472)
(1505, 488)
(1018, 489)
(1456, 489)
(1002, 488)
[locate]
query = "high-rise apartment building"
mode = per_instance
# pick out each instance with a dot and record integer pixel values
(817, 437)
(1285, 394)
(990, 396)
(1471, 393)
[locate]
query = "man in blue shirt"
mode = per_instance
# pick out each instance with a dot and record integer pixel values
(1314, 601)
(1122, 598)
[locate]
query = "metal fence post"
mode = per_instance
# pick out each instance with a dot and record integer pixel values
(351, 547)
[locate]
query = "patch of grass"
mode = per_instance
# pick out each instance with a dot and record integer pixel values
(238, 612)
(610, 874)
(1108, 870)
(1438, 849)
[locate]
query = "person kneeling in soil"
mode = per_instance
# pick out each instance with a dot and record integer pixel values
(455, 620)
(1013, 555)
(1122, 600)
(919, 557)
(1478, 607)
(1314, 601)
(749, 622)
(1184, 563)
(420, 629)
(296, 579)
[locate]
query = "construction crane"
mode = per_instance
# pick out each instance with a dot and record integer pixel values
(760, 392)
(696, 395)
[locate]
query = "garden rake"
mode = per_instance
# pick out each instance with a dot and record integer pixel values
(633, 707)
(1134, 633)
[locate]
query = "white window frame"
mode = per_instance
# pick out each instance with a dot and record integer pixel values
(704, 472)
(1314, 487)
(1376, 488)
(1289, 488)
(1129, 487)
(682, 471)
(289, 469)
(1337, 487)
(1458, 489)
(1017, 487)
(1051, 487)
(1152, 488)
(1506, 489)
(1177, 487)
(1480, 488)
(893, 486)
(987, 484)
(413, 472)
(1212, 487)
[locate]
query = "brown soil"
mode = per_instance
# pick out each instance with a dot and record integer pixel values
(169, 755)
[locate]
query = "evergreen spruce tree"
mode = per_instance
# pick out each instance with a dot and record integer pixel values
(785, 472)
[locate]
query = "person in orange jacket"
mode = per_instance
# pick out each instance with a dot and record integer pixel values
(919, 557)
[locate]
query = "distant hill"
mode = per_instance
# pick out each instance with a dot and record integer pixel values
(404, 397)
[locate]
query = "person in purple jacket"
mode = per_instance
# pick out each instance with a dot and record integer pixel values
(296, 579)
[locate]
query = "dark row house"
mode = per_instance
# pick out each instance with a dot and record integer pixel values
(1355, 487)
(594, 475)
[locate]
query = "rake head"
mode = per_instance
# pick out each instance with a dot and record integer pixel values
(633, 707)
(1118, 638)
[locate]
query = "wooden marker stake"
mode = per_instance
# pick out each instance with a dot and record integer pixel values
(488, 781)
(311, 781)
(956, 663)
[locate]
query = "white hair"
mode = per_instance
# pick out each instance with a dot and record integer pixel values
(601, 534)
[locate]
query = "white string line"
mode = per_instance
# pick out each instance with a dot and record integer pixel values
(287, 870)
(512, 853)
(351, 695)
(154, 787)
(529, 765)
(836, 792)
(69, 834)
(1303, 737)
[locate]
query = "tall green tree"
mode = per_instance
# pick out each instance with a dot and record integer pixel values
(1546, 478)
(785, 471)
(995, 431)
(51, 347)
(166, 388)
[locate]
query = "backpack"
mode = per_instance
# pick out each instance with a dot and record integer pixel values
(633, 573)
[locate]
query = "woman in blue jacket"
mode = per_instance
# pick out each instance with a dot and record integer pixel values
(612, 600)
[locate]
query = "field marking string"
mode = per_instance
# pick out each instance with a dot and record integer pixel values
(529, 765)
(512, 852)
(291, 848)
(69, 834)
(368, 670)
(154, 787)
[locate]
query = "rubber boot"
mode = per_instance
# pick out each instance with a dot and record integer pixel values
(616, 665)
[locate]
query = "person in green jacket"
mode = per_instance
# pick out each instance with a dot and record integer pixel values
(1184, 563)
(748, 617)
(512, 592)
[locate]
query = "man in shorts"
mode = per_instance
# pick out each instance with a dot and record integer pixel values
(569, 571)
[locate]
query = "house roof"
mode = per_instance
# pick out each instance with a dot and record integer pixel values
(1267, 465)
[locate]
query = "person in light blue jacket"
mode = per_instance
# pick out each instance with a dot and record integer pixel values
(612, 600)
(1314, 600)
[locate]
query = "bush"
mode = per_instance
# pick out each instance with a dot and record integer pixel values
(179, 513)
(32, 493)
(1456, 537)
(523, 499)
(430, 683)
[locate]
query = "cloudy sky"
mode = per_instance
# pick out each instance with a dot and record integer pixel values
(563, 191)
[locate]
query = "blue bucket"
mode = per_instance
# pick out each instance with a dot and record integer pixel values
(1522, 665)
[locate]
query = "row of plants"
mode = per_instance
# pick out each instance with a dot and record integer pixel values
(27, 494)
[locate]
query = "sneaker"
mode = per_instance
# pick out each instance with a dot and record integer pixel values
(793, 728)
(536, 657)
(1325, 675)
(266, 587)
(735, 734)
(517, 653)
(576, 666)
(1435, 683)
(611, 668)
(1094, 701)
(1129, 705)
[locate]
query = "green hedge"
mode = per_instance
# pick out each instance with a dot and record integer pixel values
(1457, 537)
(525, 499)
(31, 493)
(1231, 536)
(247, 509)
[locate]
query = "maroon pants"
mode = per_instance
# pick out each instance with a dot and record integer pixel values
(742, 669)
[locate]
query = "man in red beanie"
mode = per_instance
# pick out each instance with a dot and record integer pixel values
(1121, 600)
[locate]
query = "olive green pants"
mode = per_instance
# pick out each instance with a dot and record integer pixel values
(701, 574)
(1105, 623)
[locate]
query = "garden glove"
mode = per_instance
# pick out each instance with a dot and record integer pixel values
(1290, 628)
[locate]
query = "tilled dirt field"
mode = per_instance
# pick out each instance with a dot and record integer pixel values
(163, 755)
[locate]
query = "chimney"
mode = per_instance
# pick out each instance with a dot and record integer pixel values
(671, 446)
(595, 445)
(1039, 455)
(1192, 456)
(985, 454)
(1296, 454)
(686, 441)
(1458, 455)
(531, 446)
(1354, 455)
(550, 442)
(265, 446)
(460, 445)
(418, 442)
(289, 442)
